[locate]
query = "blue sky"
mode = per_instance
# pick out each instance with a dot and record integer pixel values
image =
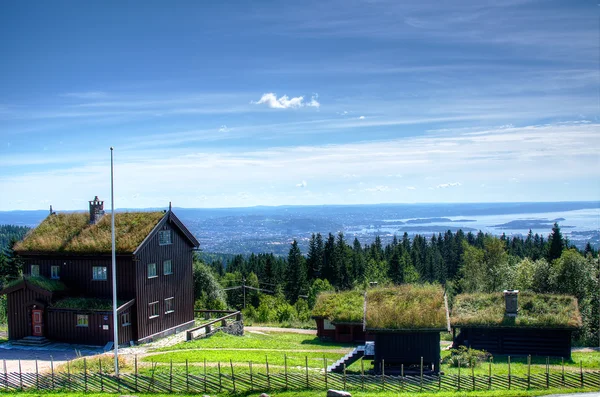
(273, 103)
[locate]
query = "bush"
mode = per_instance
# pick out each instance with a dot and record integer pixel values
(465, 357)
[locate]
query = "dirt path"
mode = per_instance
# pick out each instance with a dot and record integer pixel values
(278, 329)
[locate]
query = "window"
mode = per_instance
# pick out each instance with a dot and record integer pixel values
(99, 273)
(55, 272)
(164, 237)
(153, 309)
(152, 270)
(125, 319)
(167, 267)
(169, 305)
(82, 320)
(35, 270)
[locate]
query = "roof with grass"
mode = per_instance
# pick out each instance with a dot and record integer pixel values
(340, 307)
(37, 282)
(72, 233)
(534, 311)
(406, 307)
(92, 304)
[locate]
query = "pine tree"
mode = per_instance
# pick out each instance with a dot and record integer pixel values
(556, 243)
(296, 274)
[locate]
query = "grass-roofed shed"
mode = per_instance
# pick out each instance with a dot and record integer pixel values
(339, 316)
(542, 324)
(406, 322)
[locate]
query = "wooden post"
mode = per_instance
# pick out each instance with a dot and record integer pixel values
(383, 374)
(101, 379)
(344, 376)
(69, 375)
(362, 374)
(325, 370)
(232, 374)
(251, 379)
(85, 373)
(528, 372)
(402, 376)
(20, 376)
(581, 372)
(421, 378)
(306, 366)
(509, 380)
(268, 377)
(52, 369)
(136, 373)
(563, 371)
(37, 375)
(547, 372)
(187, 377)
(458, 386)
(204, 374)
(472, 376)
(285, 369)
(220, 384)
(171, 376)
(5, 376)
(490, 375)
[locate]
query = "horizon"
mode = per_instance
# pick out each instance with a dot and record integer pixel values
(353, 102)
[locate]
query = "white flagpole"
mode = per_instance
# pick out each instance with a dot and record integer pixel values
(114, 265)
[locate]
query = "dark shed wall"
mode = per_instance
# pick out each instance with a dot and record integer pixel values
(62, 326)
(407, 348)
(516, 341)
(178, 285)
(18, 310)
(76, 273)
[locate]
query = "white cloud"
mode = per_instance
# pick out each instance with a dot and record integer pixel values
(301, 184)
(270, 99)
(224, 129)
(447, 185)
(380, 188)
(361, 118)
(411, 188)
(313, 101)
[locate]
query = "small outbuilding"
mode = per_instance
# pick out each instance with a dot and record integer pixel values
(406, 322)
(339, 316)
(516, 323)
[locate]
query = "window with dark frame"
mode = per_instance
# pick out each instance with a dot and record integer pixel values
(152, 270)
(153, 309)
(125, 319)
(35, 270)
(82, 320)
(55, 272)
(99, 273)
(167, 267)
(169, 305)
(164, 237)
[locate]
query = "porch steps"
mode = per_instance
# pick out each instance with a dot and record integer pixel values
(367, 351)
(32, 341)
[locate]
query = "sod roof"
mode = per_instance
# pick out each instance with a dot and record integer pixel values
(340, 307)
(534, 311)
(40, 282)
(98, 304)
(72, 233)
(406, 307)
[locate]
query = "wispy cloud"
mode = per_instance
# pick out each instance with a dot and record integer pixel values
(284, 102)
(411, 188)
(86, 95)
(447, 185)
(224, 129)
(301, 184)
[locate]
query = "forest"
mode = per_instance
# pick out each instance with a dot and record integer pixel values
(274, 289)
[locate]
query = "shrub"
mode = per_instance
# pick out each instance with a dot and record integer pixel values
(465, 357)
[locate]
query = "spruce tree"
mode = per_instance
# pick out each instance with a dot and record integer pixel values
(296, 274)
(556, 243)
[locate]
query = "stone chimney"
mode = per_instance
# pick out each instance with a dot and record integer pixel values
(511, 300)
(96, 210)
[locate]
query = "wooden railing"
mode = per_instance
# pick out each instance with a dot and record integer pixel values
(206, 328)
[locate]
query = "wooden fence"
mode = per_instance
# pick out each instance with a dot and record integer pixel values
(207, 327)
(232, 378)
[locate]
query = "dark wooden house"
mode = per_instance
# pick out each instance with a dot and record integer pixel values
(406, 322)
(339, 317)
(66, 290)
(516, 323)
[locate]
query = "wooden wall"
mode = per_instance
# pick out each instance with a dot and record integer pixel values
(19, 304)
(178, 285)
(407, 348)
(62, 326)
(518, 341)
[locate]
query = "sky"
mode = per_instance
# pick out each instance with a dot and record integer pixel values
(237, 103)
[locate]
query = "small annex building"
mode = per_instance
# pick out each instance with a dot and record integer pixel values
(516, 323)
(65, 293)
(406, 322)
(339, 316)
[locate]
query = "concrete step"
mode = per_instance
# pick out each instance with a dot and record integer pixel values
(32, 341)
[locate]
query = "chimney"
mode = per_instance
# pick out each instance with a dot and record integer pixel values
(96, 210)
(511, 297)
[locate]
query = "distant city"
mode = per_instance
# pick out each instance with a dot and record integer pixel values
(272, 229)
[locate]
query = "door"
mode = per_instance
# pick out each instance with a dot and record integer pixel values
(37, 322)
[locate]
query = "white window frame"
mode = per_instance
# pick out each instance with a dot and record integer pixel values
(83, 320)
(152, 266)
(153, 312)
(125, 319)
(37, 271)
(99, 275)
(170, 262)
(162, 239)
(171, 301)
(52, 272)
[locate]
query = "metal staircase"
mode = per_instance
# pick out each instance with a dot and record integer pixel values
(367, 351)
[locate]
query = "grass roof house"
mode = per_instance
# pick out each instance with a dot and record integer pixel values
(339, 316)
(66, 291)
(516, 323)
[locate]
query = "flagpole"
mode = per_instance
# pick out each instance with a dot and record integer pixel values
(114, 265)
